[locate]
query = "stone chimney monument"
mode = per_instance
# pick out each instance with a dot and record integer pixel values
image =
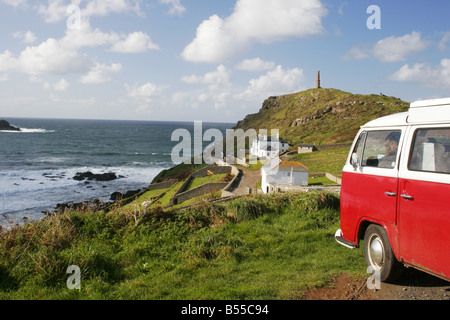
(318, 80)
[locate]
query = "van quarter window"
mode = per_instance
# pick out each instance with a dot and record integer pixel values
(431, 151)
(381, 149)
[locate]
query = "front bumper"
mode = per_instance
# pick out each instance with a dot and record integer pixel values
(340, 239)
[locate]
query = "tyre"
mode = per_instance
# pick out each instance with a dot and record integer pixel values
(379, 255)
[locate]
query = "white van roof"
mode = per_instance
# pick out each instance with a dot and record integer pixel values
(428, 111)
(422, 111)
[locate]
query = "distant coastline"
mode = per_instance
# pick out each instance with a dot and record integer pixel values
(6, 126)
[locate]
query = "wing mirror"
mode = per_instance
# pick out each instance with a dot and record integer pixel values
(355, 161)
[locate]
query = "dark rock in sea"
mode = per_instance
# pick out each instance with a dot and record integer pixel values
(5, 126)
(115, 196)
(108, 176)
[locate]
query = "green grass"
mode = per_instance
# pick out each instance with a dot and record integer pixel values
(196, 182)
(258, 247)
(320, 181)
(331, 161)
(147, 196)
(199, 199)
(165, 199)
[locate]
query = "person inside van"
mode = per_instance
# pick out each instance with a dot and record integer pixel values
(391, 145)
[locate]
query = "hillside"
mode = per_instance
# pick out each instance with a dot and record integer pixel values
(320, 116)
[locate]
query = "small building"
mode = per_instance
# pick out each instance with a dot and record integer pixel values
(268, 147)
(279, 175)
(306, 148)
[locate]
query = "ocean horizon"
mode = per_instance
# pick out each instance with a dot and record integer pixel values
(38, 164)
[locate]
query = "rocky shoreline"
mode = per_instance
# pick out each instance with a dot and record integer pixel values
(95, 204)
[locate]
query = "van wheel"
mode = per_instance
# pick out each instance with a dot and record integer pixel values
(379, 255)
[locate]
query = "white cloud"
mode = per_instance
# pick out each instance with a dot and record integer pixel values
(144, 94)
(103, 8)
(56, 10)
(4, 77)
(50, 57)
(47, 58)
(134, 42)
(101, 73)
(27, 37)
(217, 92)
(425, 75)
(176, 8)
(394, 49)
(8, 62)
(254, 21)
(86, 36)
(61, 85)
(442, 45)
(275, 82)
(255, 64)
(59, 57)
(147, 90)
(391, 49)
(341, 7)
(220, 78)
(45, 84)
(15, 3)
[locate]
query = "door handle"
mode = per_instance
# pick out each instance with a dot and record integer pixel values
(407, 197)
(390, 194)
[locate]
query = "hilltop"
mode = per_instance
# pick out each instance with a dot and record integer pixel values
(320, 116)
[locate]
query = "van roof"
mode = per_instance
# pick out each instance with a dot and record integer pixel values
(422, 111)
(397, 119)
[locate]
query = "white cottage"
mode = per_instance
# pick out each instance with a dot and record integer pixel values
(283, 175)
(268, 147)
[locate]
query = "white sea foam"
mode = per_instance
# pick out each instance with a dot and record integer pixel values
(29, 130)
(39, 130)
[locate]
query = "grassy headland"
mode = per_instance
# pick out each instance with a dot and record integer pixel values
(320, 116)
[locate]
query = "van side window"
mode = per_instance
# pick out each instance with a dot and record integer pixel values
(431, 150)
(381, 149)
(358, 151)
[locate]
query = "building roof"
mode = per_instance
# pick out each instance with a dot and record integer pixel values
(286, 165)
(306, 145)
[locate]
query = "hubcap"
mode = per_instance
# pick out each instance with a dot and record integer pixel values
(376, 251)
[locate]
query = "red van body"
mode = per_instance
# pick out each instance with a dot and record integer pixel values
(395, 193)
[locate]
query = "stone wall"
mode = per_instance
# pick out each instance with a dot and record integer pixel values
(198, 174)
(161, 185)
(215, 169)
(333, 146)
(199, 191)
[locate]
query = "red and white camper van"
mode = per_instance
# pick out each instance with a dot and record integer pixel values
(395, 193)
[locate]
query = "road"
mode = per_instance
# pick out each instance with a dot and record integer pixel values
(248, 179)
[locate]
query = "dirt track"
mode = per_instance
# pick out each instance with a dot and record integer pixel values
(413, 285)
(249, 179)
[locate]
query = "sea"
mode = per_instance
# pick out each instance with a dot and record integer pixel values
(38, 164)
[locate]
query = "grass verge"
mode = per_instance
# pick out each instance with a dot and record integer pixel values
(257, 247)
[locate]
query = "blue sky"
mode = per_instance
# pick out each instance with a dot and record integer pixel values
(212, 60)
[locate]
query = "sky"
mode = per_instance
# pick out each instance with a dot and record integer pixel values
(212, 60)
